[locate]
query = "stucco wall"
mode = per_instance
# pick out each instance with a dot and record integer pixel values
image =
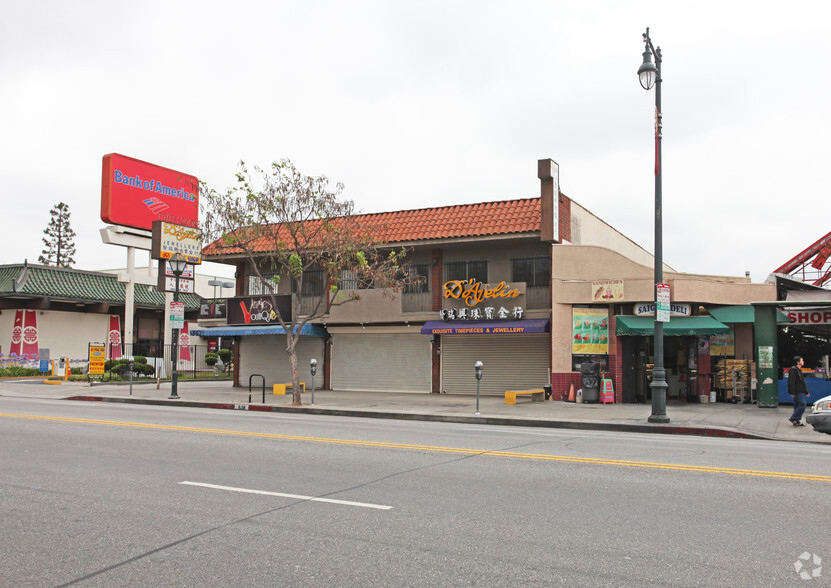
(65, 334)
(587, 229)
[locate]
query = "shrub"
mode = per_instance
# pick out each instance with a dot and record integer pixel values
(225, 355)
(211, 358)
(16, 371)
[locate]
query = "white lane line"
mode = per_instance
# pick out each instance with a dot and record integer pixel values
(283, 495)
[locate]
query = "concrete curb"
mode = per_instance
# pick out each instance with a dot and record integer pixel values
(704, 431)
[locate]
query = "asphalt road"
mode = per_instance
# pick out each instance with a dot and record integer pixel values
(99, 494)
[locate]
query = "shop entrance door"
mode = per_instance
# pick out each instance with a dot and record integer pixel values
(635, 353)
(630, 380)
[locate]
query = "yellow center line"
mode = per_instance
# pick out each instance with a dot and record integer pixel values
(434, 448)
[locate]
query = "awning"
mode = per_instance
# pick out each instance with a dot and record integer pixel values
(741, 314)
(237, 330)
(485, 327)
(677, 326)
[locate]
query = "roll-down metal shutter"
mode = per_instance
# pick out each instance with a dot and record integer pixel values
(389, 362)
(266, 355)
(512, 362)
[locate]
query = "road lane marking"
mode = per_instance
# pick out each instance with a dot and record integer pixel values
(439, 449)
(284, 495)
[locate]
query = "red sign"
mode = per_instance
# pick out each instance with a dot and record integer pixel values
(25, 334)
(135, 193)
(810, 317)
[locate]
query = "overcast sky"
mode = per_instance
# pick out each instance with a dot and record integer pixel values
(423, 104)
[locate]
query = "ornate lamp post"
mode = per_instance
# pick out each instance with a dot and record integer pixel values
(649, 75)
(177, 266)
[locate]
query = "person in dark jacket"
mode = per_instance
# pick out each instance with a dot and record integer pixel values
(799, 391)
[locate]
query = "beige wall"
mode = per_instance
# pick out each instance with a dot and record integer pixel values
(576, 266)
(65, 334)
(587, 229)
(371, 306)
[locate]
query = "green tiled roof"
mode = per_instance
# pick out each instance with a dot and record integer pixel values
(81, 286)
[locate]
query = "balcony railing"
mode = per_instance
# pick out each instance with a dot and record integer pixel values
(308, 305)
(416, 302)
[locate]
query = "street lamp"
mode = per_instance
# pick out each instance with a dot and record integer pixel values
(177, 266)
(313, 368)
(478, 367)
(649, 75)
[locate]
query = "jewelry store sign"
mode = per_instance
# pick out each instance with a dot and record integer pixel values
(169, 240)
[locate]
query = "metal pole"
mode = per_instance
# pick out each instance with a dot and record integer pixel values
(477, 369)
(175, 374)
(659, 380)
(313, 388)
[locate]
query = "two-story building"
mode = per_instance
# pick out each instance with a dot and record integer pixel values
(505, 283)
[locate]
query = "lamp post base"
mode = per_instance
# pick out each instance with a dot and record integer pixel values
(659, 395)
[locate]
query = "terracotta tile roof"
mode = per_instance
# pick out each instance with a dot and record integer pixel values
(447, 222)
(79, 285)
(462, 220)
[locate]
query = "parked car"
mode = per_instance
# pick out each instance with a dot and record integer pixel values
(820, 417)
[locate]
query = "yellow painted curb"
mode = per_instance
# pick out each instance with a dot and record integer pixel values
(56, 382)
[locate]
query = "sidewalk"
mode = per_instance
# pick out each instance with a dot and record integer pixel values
(718, 419)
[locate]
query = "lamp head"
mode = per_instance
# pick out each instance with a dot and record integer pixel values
(177, 264)
(647, 72)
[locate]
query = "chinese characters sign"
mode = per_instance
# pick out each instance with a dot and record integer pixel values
(97, 355)
(590, 331)
(487, 313)
(481, 301)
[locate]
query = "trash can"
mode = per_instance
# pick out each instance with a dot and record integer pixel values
(590, 379)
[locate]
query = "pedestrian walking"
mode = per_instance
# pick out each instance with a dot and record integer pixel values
(799, 391)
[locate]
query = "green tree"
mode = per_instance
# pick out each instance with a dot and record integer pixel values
(284, 225)
(59, 240)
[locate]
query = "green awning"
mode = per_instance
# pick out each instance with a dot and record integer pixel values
(677, 326)
(734, 314)
(741, 314)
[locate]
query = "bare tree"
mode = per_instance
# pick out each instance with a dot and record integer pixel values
(284, 225)
(59, 240)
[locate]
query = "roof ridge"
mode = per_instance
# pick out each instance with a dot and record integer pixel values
(451, 206)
